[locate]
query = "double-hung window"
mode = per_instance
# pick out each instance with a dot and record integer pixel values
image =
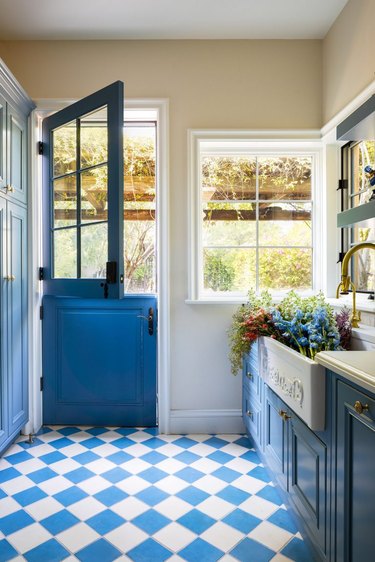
(253, 217)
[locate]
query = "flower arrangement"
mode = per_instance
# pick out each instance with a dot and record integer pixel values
(306, 324)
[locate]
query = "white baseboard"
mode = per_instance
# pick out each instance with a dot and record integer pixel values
(206, 421)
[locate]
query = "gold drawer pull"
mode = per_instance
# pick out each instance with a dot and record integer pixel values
(9, 278)
(283, 414)
(249, 414)
(360, 408)
(249, 375)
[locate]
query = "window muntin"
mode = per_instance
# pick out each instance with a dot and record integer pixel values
(255, 223)
(361, 154)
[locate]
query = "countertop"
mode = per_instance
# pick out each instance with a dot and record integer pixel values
(356, 366)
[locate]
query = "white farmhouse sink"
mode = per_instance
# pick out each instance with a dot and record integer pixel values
(299, 381)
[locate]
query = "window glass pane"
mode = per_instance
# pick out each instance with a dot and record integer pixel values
(65, 201)
(228, 177)
(65, 149)
(363, 263)
(229, 224)
(94, 138)
(65, 253)
(140, 207)
(284, 177)
(229, 270)
(362, 155)
(285, 224)
(94, 250)
(285, 268)
(94, 194)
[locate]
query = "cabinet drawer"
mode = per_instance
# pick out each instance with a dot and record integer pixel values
(252, 417)
(276, 436)
(251, 378)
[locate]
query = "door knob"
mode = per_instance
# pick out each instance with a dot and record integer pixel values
(249, 414)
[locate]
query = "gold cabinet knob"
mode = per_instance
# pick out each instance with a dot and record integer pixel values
(249, 375)
(249, 414)
(360, 408)
(9, 188)
(283, 414)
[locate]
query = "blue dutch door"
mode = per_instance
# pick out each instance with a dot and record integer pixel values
(99, 343)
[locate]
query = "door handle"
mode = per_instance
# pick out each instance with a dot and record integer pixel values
(150, 320)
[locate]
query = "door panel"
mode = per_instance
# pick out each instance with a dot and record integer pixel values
(16, 143)
(2, 141)
(3, 318)
(17, 319)
(100, 367)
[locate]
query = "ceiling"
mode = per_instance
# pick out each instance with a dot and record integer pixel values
(167, 19)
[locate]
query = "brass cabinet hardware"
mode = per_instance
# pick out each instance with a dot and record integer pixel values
(249, 414)
(283, 414)
(249, 375)
(360, 408)
(9, 277)
(9, 188)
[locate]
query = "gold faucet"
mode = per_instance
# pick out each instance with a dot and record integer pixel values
(346, 283)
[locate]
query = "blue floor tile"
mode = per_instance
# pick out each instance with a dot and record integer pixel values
(271, 494)
(14, 522)
(187, 457)
(153, 458)
(122, 443)
(220, 457)
(79, 475)
(59, 522)
(19, 457)
(99, 551)
(153, 443)
(200, 550)
(111, 496)
(216, 442)
(7, 552)
(242, 521)
(297, 550)
(259, 552)
(115, 475)
(151, 521)
(233, 495)
(260, 473)
(196, 521)
(30, 495)
(105, 521)
(184, 442)
(69, 430)
(149, 551)
(243, 442)
(61, 443)
(92, 443)
(50, 550)
(8, 474)
(70, 496)
(251, 456)
(152, 475)
(119, 458)
(96, 430)
(226, 474)
(51, 458)
(189, 474)
(282, 519)
(193, 495)
(152, 495)
(42, 475)
(86, 458)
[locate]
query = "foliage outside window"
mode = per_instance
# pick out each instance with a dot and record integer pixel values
(80, 201)
(256, 221)
(361, 154)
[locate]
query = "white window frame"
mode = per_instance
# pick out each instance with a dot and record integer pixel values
(288, 143)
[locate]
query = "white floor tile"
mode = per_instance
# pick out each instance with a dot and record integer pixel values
(206, 465)
(55, 485)
(241, 465)
(173, 508)
(210, 484)
(171, 484)
(8, 505)
(65, 465)
(129, 508)
(249, 484)
(86, 508)
(30, 466)
(17, 485)
(29, 537)
(270, 535)
(43, 508)
(94, 485)
(216, 507)
(99, 466)
(77, 537)
(175, 537)
(222, 536)
(135, 466)
(170, 466)
(258, 507)
(133, 484)
(202, 449)
(126, 537)
(137, 450)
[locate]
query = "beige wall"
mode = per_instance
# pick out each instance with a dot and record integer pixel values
(348, 56)
(210, 84)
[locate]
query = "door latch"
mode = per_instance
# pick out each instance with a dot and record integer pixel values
(150, 320)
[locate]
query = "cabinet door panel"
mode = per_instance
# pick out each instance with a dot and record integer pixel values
(2, 141)
(309, 473)
(3, 320)
(251, 378)
(16, 149)
(252, 417)
(276, 437)
(355, 469)
(17, 317)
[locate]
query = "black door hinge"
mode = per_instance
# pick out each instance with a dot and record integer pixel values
(40, 148)
(341, 257)
(41, 273)
(343, 184)
(41, 312)
(41, 384)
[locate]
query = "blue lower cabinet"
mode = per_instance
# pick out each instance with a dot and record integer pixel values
(354, 472)
(308, 480)
(276, 437)
(252, 417)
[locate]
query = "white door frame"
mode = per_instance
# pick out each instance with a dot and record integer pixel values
(45, 107)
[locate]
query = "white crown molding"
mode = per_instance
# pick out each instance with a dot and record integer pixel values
(14, 90)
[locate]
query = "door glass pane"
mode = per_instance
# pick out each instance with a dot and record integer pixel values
(94, 250)
(284, 177)
(65, 253)
(140, 207)
(64, 149)
(65, 201)
(94, 194)
(285, 224)
(94, 138)
(228, 177)
(285, 268)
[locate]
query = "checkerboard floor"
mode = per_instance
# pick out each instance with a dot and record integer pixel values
(103, 494)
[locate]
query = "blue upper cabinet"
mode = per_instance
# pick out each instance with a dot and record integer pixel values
(16, 154)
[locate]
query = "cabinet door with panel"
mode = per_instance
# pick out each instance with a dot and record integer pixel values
(276, 436)
(3, 325)
(354, 474)
(16, 131)
(16, 279)
(3, 121)
(308, 471)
